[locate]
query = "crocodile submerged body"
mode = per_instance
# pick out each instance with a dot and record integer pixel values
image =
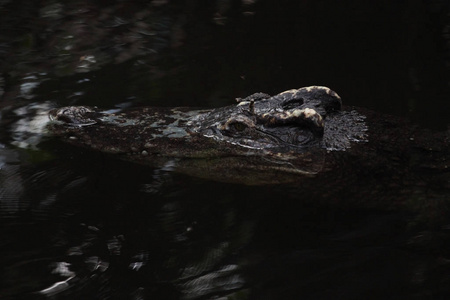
(261, 139)
(289, 131)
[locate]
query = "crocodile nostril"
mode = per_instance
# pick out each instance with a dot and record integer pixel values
(74, 115)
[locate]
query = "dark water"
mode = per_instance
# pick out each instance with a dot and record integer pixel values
(79, 225)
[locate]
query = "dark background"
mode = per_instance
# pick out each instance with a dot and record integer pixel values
(132, 232)
(389, 56)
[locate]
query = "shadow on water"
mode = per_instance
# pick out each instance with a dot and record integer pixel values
(81, 225)
(91, 227)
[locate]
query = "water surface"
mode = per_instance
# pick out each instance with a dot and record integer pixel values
(81, 225)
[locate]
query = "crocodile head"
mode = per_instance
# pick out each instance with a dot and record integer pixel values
(294, 119)
(268, 136)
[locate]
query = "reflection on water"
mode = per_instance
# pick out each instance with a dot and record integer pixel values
(85, 240)
(80, 225)
(94, 229)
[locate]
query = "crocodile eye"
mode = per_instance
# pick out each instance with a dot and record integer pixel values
(302, 138)
(238, 126)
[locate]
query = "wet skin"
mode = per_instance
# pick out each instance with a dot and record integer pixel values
(259, 140)
(291, 121)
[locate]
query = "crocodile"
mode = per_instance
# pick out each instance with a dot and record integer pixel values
(261, 139)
